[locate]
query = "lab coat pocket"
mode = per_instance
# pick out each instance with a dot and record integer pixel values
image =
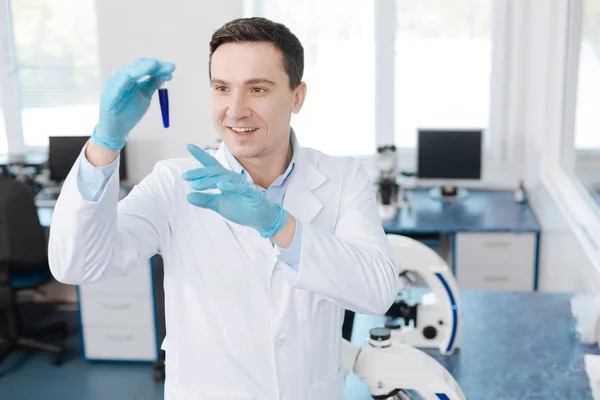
(329, 389)
(176, 392)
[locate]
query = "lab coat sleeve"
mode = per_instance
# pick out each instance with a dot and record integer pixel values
(92, 240)
(291, 255)
(92, 180)
(352, 266)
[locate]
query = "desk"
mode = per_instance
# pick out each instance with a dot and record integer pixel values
(494, 241)
(480, 211)
(514, 346)
(32, 159)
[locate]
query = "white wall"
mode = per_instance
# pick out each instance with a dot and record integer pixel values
(178, 31)
(566, 263)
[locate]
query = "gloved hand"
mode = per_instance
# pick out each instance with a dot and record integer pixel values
(124, 100)
(239, 201)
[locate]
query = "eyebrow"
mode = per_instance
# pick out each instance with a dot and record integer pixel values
(254, 81)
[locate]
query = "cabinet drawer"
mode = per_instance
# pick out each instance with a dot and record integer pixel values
(121, 311)
(517, 278)
(495, 249)
(119, 344)
(137, 281)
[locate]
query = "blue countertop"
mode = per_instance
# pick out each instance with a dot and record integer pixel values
(32, 158)
(480, 211)
(514, 346)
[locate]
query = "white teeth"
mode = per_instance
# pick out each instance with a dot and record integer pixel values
(244, 130)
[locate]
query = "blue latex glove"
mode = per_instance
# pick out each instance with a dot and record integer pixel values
(239, 201)
(124, 100)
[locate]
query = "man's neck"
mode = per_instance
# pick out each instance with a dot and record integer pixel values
(265, 170)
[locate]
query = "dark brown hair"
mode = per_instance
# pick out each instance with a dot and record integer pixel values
(257, 29)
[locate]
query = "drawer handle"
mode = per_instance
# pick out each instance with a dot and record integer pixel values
(496, 278)
(117, 306)
(496, 244)
(119, 338)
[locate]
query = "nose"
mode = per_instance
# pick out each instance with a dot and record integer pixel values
(238, 106)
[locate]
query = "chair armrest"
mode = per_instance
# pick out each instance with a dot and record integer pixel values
(4, 272)
(5, 289)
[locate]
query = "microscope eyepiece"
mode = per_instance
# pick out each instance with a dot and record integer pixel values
(380, 334)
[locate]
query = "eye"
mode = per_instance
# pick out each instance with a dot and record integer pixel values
(258, 90)
(221, 88)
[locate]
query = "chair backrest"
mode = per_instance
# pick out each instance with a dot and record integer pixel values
(22, 238)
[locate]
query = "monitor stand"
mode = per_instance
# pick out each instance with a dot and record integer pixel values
(448, 192)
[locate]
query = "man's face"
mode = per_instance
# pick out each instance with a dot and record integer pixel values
(251, 98)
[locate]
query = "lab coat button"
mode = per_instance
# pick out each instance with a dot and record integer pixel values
(280, 342)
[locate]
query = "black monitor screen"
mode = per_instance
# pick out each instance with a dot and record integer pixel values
(449, 154)
(63, 152)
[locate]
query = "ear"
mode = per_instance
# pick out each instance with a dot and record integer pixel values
(299, 96)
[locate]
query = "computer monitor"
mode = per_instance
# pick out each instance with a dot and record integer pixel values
(63, 152)
(449, 154)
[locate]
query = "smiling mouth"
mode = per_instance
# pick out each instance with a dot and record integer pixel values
(242, 131)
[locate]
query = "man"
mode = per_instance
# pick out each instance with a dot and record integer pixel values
(264, 245)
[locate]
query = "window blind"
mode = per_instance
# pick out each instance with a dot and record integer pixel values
(56, 66)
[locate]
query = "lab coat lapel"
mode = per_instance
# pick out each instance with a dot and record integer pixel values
(301, 202)
(300, 199)
(220, 156)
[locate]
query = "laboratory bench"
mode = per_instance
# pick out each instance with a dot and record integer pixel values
(482, 210)
(514, 346)
(489, 240)
(30, 159)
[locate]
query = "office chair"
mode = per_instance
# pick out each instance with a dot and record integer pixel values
(23, 265)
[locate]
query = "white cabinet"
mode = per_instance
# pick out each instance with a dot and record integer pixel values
(118, 317)
(495, 261)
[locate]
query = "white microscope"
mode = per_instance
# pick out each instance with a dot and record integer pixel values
(388, 190)
(390, 368)
(434, 321)
(390, 363)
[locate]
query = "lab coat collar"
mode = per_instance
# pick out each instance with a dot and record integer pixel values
(238, 168)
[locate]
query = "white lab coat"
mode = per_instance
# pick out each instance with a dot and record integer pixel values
(240, 323)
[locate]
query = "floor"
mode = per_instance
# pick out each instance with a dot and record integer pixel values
(31, 375)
